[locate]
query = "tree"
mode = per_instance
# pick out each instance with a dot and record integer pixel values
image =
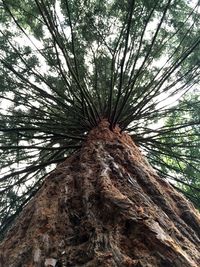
(67, 69)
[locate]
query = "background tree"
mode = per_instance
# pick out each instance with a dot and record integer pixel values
(66, 65)
(183, 142)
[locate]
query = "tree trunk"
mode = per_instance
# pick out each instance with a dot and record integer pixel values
(104, 206)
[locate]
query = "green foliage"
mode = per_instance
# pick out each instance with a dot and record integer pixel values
(184, 144)
(66, 64)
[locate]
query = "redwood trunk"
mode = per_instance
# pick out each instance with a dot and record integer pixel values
(105, 206)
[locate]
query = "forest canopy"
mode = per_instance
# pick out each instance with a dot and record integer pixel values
(66, 64)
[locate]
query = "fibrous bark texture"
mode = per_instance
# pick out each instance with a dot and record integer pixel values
(105, 206)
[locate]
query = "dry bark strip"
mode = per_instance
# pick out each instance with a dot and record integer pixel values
(105, 206)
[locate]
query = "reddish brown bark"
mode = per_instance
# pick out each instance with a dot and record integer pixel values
(105, 206)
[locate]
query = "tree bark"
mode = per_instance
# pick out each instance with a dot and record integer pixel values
(105, 206)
